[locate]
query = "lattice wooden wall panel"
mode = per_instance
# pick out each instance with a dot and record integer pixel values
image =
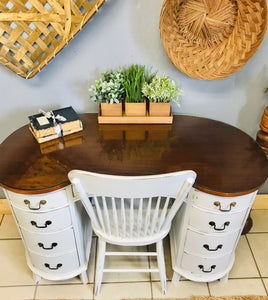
(32, 32)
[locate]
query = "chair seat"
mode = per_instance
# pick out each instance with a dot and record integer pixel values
(134, 240)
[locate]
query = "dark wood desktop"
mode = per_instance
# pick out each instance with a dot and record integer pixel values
(227, 161)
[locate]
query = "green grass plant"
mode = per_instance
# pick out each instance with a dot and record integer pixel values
(133, 82)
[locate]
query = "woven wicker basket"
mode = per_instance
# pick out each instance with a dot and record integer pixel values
(33, 32)
(212, 39)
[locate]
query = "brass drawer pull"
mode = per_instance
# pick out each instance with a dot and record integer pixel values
(50, 268)
(232, 204)
(211, 223)
(210, 249)
(45, 226)
(53, 245)
(28, 203)
(207, 271)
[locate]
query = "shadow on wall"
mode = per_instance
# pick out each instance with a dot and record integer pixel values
(255, 101)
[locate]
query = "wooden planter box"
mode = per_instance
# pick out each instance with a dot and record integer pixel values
(159, 109)
(114, 109)
(135, 109)
(135, 113)
(135, 119)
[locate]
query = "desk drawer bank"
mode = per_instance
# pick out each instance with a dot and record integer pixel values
(55, 231)
(205, 233)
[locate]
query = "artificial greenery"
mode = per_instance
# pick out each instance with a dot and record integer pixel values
(149, 74)
(133, 82)
(162, 89)
(108, 88)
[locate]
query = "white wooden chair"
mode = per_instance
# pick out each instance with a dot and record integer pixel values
(131, 211)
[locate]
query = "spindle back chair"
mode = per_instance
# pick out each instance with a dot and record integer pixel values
(131, 211)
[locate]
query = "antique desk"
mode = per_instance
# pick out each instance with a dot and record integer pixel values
(229, 164)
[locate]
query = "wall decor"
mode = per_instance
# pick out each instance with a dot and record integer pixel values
(212, 39)
(33, 32)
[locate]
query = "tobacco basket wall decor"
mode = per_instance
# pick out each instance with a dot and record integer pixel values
(212, 39)
(32, 32)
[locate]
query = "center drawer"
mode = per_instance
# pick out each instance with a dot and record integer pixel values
(50, 243)
(44, 222)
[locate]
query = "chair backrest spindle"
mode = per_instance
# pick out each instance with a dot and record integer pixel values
(123, 218)
(99, 213)
(139, 218)
(147, 218)
(155, 215)
(163, 213)
(106, 216)
(132, 207)
(131, 217)
(115, 217)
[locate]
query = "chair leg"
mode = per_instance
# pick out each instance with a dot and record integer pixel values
(83, 277)
(161, 265)
(176, 278)
(99, 265)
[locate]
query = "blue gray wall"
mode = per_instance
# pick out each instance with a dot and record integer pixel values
(121, 33)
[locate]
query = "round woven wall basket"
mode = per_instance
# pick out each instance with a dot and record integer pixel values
(212, 39)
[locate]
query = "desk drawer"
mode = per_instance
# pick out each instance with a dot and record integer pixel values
(203, 265)
(39, 203)
(44, 222)
(50, 243)
(209, 245)
(210, 222)
(61, 264)
(221, 204)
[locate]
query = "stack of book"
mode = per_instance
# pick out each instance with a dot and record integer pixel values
(54, 124)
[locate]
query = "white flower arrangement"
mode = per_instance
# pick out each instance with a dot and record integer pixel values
(162, 89)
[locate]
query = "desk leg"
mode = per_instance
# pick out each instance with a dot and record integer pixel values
(176, 278)
(248, 225)
(36, 278)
